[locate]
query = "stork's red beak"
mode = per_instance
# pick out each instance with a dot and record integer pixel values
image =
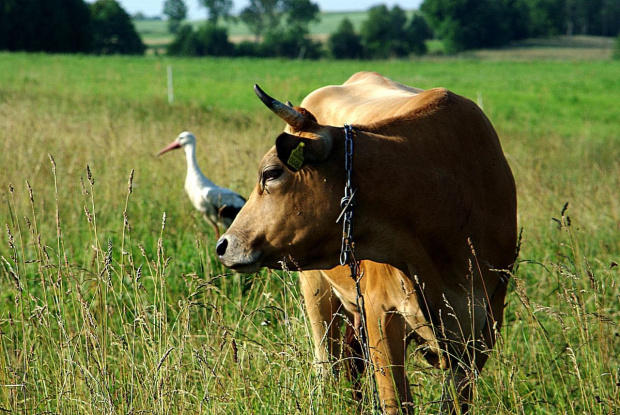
(171, 146)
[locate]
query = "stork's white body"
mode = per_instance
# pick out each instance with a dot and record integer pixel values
(218, 204)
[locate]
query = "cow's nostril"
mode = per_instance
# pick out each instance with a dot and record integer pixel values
(221, 246)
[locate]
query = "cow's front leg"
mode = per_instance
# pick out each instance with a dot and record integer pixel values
(386, 336)
(322, 306)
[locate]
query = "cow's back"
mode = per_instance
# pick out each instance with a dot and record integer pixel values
(365, 98)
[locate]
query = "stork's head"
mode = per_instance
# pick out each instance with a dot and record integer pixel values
(184, 139)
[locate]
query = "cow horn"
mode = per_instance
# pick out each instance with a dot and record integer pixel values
(290, 115)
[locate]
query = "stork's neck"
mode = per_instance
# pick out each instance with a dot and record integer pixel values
(194, 174)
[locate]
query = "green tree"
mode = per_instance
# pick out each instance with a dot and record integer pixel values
(592, 17)
(469, 24)
(264, 18)
(300, 13)
(344, 43)
(184, 43)
(546, 17)
(212, 40)
(176, 12)
(384, 33)
(217, 9)
(45, 26)
(466, 24)
(113, 30)
(248, 48)
(416, 32)
(208, 40)
(288, 43)
(515, 19)
(260, 15)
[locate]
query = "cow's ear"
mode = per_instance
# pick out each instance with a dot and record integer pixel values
(310, 122)
(295, 152)
(306, 113)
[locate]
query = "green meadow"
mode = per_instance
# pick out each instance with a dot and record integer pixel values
(111, 297)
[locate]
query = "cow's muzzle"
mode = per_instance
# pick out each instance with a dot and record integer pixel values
(230, 251)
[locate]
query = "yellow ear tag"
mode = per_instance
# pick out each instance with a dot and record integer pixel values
(296, 159)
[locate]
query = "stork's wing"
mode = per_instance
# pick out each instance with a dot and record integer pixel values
(225, 202)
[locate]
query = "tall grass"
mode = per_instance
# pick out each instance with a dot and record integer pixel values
(111, 299)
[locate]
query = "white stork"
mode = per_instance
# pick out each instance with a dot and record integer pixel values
(218, 204)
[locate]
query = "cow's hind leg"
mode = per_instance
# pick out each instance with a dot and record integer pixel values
(459, 385)
(464, 359)
(456, 393)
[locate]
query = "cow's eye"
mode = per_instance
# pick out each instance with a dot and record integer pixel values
(270, 173)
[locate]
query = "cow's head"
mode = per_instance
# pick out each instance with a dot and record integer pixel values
(291, 214)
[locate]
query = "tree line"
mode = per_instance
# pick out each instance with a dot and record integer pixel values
(67, 26)
(281, 27)
(472, 24)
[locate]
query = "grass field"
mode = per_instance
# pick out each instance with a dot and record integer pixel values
(111, 299)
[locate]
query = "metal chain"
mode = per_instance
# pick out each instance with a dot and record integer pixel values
(347, 255)
(347, 202)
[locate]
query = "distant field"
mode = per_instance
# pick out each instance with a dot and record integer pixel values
(557, 48)
(112, 300)
(155, 32)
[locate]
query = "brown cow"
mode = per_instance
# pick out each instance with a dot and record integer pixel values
(435, 199)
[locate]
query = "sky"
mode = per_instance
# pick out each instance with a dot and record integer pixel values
(155, 7)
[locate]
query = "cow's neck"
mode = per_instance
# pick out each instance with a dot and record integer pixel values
(387, 218)
(378, 233)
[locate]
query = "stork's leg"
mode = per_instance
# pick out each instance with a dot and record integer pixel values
(214, 225)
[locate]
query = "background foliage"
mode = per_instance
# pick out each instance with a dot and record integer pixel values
(103, 27)
(175, 12)
(470, 24)
(113, 31)
(285, 27)
(51, 26)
